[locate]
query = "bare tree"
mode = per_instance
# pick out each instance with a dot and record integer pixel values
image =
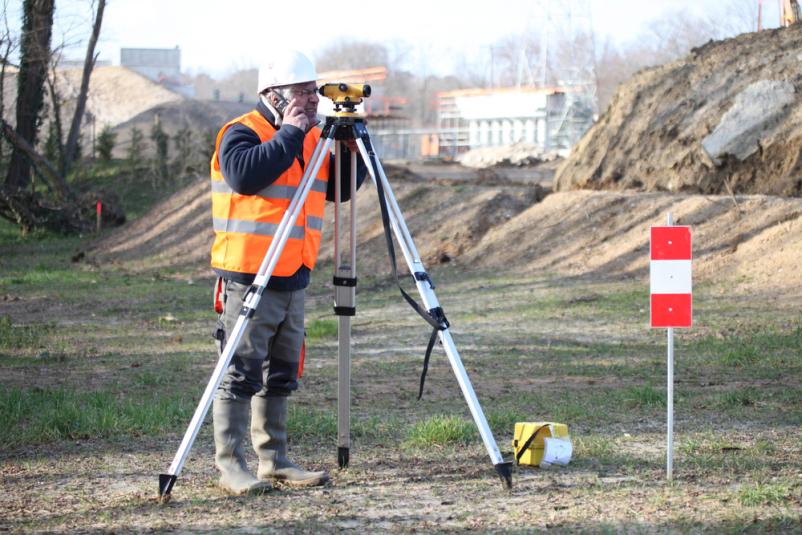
(29, 207)
(37, 27)
(80, 106)
(350, 54)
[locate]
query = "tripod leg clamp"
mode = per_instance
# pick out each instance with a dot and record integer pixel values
(345, 281)
(344, 294)
(247, 311)
(424, 277)
(440, 317)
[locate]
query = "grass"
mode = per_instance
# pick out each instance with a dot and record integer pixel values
(760, 348)
(644, 396)
(14, 337)
(745, 397)
(131, 352)
(321, 329)
(763, 494)
(305, 423)
(440, 430)
(39, 416)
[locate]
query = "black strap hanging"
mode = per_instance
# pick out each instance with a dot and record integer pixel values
(435, 317)
(520, 453)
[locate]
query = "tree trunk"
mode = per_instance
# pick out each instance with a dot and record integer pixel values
(80, 105)
(34, 59)
(55, 181)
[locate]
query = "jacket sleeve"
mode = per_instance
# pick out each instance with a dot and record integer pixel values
(248, 165)
(361, 172)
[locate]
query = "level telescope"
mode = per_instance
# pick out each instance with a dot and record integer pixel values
(345, 95)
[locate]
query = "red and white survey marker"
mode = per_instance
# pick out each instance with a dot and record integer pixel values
(670, 277)
(671, 289)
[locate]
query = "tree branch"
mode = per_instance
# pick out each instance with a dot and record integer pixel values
(44, 167)
(80, 105)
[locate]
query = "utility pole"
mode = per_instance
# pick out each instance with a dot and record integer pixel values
(759, 15)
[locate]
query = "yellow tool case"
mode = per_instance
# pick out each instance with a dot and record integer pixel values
(529, 441)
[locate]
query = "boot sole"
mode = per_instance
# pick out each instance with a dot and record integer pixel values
(253, 491)
(316, 482)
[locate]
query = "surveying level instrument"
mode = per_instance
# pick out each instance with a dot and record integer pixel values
(345, 125)
(345, 95)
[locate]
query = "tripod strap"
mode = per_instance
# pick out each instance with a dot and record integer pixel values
(435, 318)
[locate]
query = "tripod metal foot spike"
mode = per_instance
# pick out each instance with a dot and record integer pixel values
(166, 482)
(343, 457)
(504, 471)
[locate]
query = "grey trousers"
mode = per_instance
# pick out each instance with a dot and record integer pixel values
(267, 358)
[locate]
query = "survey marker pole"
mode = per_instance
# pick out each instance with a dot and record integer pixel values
(670, 393)
(671, 304)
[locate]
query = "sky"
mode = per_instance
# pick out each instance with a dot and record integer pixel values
(219, 38)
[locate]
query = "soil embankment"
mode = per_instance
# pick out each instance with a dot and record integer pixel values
(753, 241)
(726, 118)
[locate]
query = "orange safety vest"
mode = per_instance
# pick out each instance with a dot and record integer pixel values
(245, 225)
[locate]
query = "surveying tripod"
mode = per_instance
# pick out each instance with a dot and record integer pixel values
(345, 125)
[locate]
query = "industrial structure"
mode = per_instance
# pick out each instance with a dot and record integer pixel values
(162, 65)
(547, 98)
(553, 102)
(551, 118)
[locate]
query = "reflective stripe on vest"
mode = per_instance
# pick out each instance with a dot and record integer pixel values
(272, 191)
(245, 225)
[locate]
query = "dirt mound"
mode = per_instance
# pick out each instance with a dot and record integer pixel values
(728, 117)
(518, 154)
(124, 99)
(755, 243)
(202, 118)
(445, 221)
(116, 95)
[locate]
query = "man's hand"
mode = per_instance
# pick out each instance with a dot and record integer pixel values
(296, 116)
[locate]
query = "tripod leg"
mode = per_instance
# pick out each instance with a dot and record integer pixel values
(426, 291)
(251, 302)
(344, 307)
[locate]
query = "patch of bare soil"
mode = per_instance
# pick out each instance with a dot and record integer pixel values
(753, 242)
(177, 231)
(445, 221)
(651, 136)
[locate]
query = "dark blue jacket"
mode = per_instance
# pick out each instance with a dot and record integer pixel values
(248, 166)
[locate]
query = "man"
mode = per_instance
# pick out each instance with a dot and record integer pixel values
(257, 165)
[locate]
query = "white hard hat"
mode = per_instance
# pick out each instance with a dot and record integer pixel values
(286, 68)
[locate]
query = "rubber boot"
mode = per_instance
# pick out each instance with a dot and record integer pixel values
(230, 425)
(269, 437)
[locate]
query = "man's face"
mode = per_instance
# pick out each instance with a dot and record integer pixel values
(307, 97)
